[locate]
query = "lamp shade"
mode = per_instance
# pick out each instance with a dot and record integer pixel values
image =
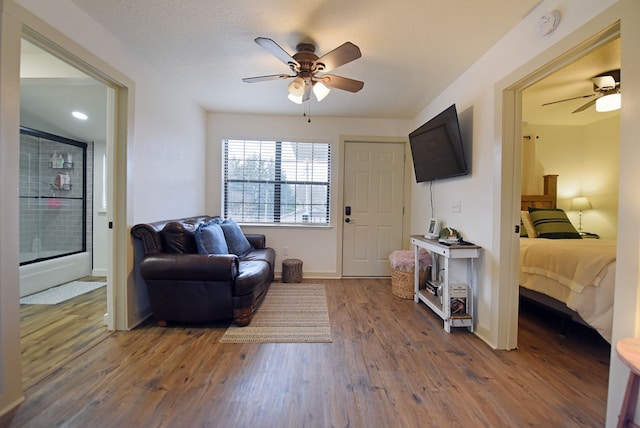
(296, 87)
(295, 99)
(581, 203)
(320, 90)
(608, 103)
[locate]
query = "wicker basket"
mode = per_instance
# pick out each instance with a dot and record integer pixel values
(402, 282)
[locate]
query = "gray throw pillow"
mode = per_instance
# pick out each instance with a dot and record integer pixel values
(210, 239)
(236, 241)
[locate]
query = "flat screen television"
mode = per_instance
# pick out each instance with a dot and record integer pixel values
(436, 148)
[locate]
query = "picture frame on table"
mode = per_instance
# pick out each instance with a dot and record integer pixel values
(433, 228)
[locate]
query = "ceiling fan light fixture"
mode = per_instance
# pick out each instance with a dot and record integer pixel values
(608, 103)
(296, 87)
(295, 99)
(320, 90)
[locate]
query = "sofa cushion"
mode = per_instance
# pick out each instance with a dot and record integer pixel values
(236, 241)
(265, 254)
(253, 275)
(210, 239)
(179, 237)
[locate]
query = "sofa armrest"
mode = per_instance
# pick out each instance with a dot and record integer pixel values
(186, 267)
(149, 236)
(256, 240)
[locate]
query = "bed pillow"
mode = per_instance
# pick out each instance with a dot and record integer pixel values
(552, 223)
(210, 239)
(527, 225)
(236, 241)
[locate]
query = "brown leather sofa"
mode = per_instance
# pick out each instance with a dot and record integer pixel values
(187, 285)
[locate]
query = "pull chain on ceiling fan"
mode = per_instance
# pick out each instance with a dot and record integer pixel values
(306, 65)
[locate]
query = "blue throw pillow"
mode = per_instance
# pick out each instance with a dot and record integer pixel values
(210, 239)
(236, 241)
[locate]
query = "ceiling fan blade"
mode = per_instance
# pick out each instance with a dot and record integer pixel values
(568, 99)
(343, 83)
(265, 78)
(341, 55)
(584, 106)
(276, 50)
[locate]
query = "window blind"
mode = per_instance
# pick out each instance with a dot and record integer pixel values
(277, 182)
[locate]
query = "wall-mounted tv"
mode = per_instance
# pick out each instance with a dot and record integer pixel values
(436, 148)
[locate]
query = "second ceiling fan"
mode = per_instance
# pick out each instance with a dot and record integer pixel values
(309, 69)
(604, 85)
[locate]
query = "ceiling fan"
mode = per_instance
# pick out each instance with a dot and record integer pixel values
(606, 88)
(306, 65)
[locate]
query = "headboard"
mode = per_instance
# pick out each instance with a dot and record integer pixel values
(547, 200)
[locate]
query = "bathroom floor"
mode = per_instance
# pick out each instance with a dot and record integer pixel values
(54, 334)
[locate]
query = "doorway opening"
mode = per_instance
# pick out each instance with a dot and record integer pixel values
(55, 85)
(558, 138)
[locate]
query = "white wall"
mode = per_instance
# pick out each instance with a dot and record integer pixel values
(480, 193)
(161, 169)
(586, 160)
(100, 221)
(318, 248)
(486, 217)
(169, 137)
(164, 169)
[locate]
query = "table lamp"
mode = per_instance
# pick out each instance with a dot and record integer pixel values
(580, 204)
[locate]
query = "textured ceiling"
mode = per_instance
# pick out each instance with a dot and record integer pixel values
(207, 49)
(411, 49)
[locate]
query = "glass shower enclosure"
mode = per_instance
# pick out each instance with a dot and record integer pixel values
(53, 196)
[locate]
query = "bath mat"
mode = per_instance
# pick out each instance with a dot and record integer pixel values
(290, 313)
(61, 293)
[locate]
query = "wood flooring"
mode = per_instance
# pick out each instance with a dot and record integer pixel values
(390, 365)
(51, 335)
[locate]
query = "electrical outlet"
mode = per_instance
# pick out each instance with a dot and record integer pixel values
(285, 251)
(456, 206)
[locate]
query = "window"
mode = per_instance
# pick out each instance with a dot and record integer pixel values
(277, 182)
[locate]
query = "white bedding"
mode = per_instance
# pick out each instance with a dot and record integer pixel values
(577, 272)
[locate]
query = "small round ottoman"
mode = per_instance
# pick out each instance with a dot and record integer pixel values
(292, 270)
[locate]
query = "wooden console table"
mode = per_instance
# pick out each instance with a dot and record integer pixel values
(456, 264)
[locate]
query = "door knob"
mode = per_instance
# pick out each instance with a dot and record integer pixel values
(347, 220)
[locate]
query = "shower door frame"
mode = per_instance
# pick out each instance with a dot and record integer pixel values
(39, 197)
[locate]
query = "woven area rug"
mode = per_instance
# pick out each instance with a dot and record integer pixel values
(290, 313)
(61, 293)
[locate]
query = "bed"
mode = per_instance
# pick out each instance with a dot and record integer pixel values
(573, 276)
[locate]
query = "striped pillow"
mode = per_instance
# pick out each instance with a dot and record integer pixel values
(552, 224)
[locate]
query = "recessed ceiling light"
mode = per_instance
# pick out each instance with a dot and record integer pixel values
(79, 115)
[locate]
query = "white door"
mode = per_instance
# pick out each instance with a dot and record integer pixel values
(373, 207)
